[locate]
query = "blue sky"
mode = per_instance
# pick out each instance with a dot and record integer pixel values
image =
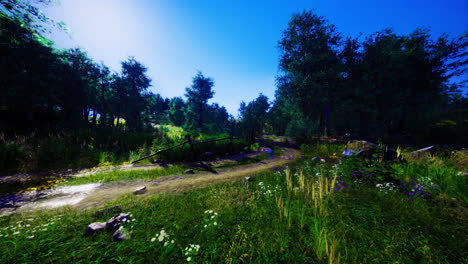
(234, 42)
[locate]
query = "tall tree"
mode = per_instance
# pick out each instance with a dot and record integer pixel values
(253, 116)
(310, 65)
(197, 102)
(135, 84)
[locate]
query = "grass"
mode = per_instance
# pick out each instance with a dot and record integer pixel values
(126, 175)
(310, 212)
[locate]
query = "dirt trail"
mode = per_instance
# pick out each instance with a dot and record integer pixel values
(175, 183)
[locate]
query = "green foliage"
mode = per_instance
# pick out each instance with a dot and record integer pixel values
(322, 150)
(367, 171)
(11, 155)
(289, 216)
(80, 149)
(302, 129)
(351, 86)
(176, 111)
(197, 102)
(254, 116)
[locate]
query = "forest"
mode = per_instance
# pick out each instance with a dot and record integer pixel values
(61, 110)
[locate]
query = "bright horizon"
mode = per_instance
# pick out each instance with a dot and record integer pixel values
(234, 42)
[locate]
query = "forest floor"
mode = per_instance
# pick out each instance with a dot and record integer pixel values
(95, 194)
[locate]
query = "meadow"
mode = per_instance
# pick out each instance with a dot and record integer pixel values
(359, 211)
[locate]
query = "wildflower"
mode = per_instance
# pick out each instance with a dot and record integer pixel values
(30, 236)
(16, 233)
(153, 239)
(189, 258)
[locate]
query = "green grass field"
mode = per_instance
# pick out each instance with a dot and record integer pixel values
(310, 212)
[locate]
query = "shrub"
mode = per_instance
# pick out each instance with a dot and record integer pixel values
(10, 156)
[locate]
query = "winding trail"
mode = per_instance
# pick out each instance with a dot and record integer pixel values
(98, 195)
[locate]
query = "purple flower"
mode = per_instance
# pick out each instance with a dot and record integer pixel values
(336, 188)
(411, 193)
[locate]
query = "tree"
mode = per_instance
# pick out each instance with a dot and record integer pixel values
(253, 116)
(176, 111)
(135, 83)
(198, 94)
(310, 68)
(30, 16)
(156, 109)
(218, 119)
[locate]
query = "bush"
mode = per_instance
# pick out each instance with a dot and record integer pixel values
(11, 155)
(302, 130)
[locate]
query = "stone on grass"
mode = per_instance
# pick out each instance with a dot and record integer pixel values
(119, 235)
(140, 190)
(94, 227)
(189, 171)
(367, 149)
(114, 223)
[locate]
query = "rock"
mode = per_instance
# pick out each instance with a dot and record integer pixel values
(189, 171)
(114, 223)
(94, 227)
(266, 150)
(113, 209)
(423, 152)
(367, 149)
(347, 152)
(361, 145)
(140, 190)
(119, 235)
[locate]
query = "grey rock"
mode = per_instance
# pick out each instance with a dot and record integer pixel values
(94, 227)
(189, 171)
(113, 210)
(140, 190)
(367, 149)
(119, 235)
(114, 223)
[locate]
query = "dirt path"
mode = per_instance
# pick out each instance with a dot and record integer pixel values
(103, 193)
